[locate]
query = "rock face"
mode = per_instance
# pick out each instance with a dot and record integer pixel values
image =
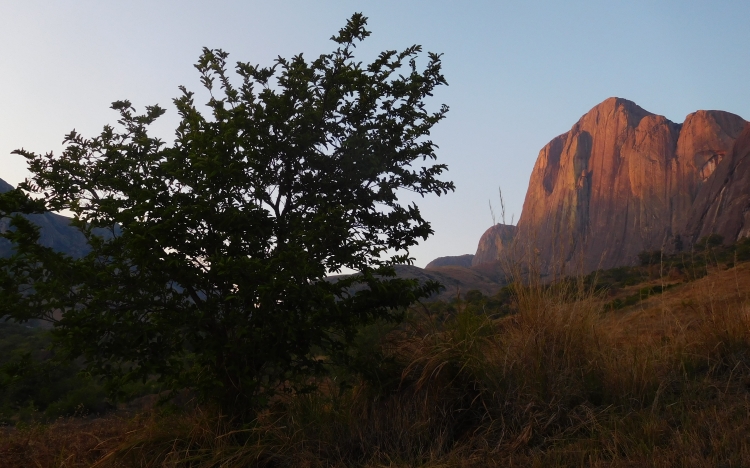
(55, 232)
(457, 260)
(723, 202)
(494, 242)
(621, 181)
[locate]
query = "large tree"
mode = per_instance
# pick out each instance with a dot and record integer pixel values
(212, 271)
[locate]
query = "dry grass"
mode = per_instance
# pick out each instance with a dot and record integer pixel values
(64, 443)
(560, 383)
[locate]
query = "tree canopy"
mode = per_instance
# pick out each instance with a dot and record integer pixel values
(211, 272)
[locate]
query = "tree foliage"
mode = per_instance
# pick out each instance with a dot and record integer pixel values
(213, 272)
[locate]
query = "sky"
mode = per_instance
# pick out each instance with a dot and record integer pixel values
(519, 73)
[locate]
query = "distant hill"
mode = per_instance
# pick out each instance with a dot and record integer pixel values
(55, 232)
(456, 280)
(5, 186)
(457, 260)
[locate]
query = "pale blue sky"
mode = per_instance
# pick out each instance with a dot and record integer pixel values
(520, 73)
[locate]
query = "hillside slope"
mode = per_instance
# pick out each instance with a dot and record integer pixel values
(55, 231)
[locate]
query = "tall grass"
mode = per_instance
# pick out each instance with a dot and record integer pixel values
(560, 382)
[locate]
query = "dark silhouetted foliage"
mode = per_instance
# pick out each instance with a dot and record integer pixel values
(213, 274)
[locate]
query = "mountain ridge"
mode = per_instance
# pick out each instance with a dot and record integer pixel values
(54, 231)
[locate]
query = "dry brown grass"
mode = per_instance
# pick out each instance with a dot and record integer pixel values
(64, 443)
(560, 383)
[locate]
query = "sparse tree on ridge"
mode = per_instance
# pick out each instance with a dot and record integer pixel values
(212, 274)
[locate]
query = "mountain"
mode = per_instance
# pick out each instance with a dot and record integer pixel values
(452, 272)
(55, 232)
(624, 180)
(493, 243)
(457, 260)
(5, 186)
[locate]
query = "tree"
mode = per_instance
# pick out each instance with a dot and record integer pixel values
(212, 274)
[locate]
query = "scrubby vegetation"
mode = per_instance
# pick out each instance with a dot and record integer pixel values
(39, 385)
(659, 271)
(541, 375)
(34, 383)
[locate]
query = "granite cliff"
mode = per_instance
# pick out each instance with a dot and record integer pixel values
(624, 180)
(493, 244)
(722, 205)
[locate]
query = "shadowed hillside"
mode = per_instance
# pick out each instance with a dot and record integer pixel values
(55, 232)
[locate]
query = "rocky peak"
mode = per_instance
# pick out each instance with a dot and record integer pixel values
(494, 242)
(455, 260)
(705, 139)
(621, 181)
